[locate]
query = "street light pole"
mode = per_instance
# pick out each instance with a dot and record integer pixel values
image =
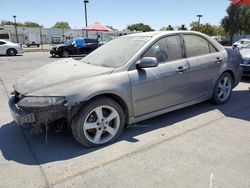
(16, 29)
(199, 19)
(86, 18)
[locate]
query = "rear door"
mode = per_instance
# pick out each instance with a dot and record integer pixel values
(205, 62)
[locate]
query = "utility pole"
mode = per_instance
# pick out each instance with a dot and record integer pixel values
(86, 18)
(16, 29)
(41, 37)
(199, 19)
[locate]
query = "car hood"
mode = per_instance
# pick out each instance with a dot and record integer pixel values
(58, 46)
(245, 53)
(56, 74)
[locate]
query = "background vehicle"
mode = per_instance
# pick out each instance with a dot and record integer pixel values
(33, 43)
(129, 79)
(75, 47)
(245, 63)
(240, 43)
(10, 48)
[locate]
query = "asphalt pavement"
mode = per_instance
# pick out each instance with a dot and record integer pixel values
(203, 145)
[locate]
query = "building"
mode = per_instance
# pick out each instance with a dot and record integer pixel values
(52, 35)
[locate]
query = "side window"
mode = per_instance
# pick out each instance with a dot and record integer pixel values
(212, 49)
(166, 49)
(2, 43)
(195, 45)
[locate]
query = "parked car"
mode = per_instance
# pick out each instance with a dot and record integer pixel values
(129, 79)
(75, 47)
(33, 43)
(245, 63)
(240, 43)
(10, 48)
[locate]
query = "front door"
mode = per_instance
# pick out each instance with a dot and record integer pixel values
(157, 88)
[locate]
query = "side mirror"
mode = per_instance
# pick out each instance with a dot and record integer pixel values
(147, 62)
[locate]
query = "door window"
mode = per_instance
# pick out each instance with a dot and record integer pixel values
(212, 49)
(196, 46)
(166, 49)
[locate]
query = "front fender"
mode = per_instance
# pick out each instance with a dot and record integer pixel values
(116, 84)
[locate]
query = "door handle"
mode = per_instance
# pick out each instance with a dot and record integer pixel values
(218, 60)
(181, 69)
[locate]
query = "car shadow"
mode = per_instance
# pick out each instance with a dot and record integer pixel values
(2, 55)
(62, 146)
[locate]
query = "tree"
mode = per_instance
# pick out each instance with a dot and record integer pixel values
(25, 24)
(31, 24)
(203, 28)
(168, 28)
(182, 27)
(219, 30)
(245, 18)
(237, 20)
(61, 25)
(208, 29)
(4, 22)
(139, 27)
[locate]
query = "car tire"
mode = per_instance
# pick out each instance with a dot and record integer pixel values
(99, 122)
(65, 53)
(11, 52)
(223, 89)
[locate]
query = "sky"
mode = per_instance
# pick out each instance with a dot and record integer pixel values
(115, 13)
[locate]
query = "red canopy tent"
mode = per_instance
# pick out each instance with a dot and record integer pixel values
(97, 27)
(238, 2)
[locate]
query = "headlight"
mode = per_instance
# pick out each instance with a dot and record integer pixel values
(41, 101)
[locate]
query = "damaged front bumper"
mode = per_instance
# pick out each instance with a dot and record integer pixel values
(36, 116)
(22, 118)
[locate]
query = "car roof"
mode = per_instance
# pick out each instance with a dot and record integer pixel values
(160, 33)
(157, 34)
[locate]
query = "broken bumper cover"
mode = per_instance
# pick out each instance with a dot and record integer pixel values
(36, 117)
(22, 118)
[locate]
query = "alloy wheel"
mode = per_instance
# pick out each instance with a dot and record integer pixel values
(224, 88)
(101, 124)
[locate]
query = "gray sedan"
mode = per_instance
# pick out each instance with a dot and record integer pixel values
(129, 79)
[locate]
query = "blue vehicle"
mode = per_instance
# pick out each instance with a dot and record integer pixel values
(78, 46)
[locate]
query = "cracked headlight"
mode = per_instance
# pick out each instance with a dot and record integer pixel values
(41, 101)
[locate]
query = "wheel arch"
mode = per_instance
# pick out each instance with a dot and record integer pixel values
(11, 49)
(112, 96)
(117, 99)
(231, 73)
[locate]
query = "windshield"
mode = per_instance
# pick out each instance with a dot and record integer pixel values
(69, 42)
(117, 52)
